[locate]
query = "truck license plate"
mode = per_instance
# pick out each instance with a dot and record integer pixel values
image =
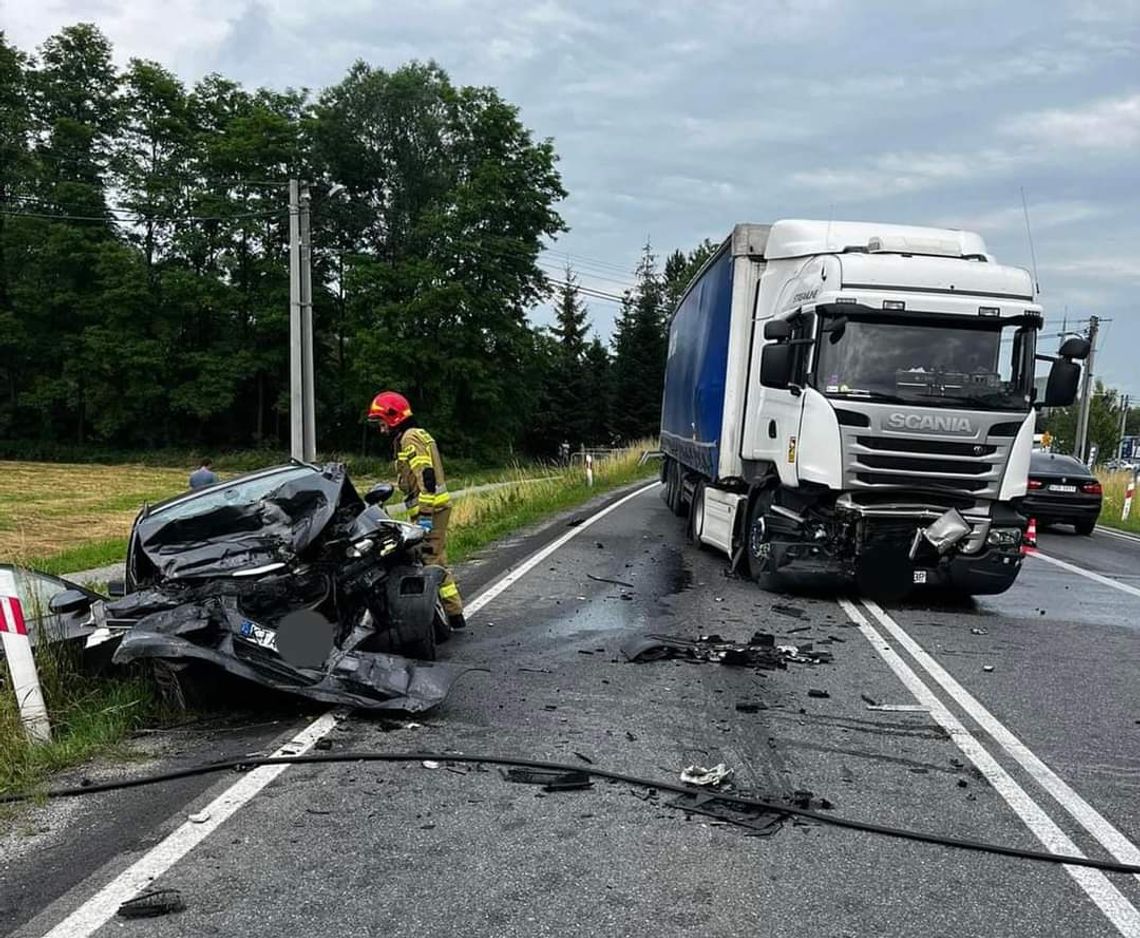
(1062, 488)
(266, 638)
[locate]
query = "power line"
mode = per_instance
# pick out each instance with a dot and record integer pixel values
(145, 218)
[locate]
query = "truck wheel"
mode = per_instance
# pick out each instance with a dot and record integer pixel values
(673, 489)
(757, 545)
(696, 514)
(1086, 527)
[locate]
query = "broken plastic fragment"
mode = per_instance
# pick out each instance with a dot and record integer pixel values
(699, 775)
(430, 764)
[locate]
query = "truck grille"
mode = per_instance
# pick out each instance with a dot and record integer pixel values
(973, 469)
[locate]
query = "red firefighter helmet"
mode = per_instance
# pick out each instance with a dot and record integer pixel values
(390, 408)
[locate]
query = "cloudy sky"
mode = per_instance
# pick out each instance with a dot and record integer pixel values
(674, 119)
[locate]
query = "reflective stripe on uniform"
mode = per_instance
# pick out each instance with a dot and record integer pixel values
(421, 462)
(437, 500)
(449, 591)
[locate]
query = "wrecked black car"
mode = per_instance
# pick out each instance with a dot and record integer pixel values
(287, 578)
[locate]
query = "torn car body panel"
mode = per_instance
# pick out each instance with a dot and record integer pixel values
(223, 575)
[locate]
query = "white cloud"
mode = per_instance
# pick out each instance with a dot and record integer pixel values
(1106, 124)
(1042, 216)
(902, 173)
(1101, 266)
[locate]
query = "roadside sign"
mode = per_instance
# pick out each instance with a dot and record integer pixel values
(21, 663)
(1128, 447)
(1093, 451)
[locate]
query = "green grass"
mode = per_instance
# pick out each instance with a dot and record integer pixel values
(89, 716)
(1115, 484)
(83, 557)
(484, 517)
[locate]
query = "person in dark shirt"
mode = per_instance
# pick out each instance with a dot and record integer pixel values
(203, 475)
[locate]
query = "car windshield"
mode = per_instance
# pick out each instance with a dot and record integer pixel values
(240, 492)
(933, 363)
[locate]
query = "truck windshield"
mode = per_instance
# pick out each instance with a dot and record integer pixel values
(933, 363)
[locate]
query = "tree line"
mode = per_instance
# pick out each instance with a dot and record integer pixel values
(144, 291)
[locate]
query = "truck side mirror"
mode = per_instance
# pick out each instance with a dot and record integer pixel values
(776, 365)
(779, 330)
(1074, 347)
(1061, 387)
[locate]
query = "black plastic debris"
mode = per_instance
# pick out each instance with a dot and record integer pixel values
(602, 579)
(550, 780)
(153, 904)
(750, 706)
(794, 611)
(757, 823)
(816, 692)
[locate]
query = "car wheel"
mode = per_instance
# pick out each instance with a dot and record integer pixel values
(440, 625)
(422, 648)
(1085, 528)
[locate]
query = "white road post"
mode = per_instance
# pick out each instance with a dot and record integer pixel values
(589, 469)
(1128, 493)
(21, 663)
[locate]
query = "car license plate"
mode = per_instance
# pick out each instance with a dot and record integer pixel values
(266, 638)
(919, 576)
(1062, 488)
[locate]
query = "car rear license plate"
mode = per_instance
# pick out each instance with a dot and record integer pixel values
(1062, 488)
(266, 638)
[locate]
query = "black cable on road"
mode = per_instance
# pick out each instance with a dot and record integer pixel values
(1108, 866)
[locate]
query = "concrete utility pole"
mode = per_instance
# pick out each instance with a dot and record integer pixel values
(1086, 392)
(302, 419)
(1124, 404)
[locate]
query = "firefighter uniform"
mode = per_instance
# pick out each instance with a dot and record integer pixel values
(419, 472)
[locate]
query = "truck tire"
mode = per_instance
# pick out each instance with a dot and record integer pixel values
(696, 512)
(673, 488)
(755, 545)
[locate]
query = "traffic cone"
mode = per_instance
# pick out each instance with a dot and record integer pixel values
(1030, 540)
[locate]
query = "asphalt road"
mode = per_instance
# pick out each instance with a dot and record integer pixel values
(1020, 723)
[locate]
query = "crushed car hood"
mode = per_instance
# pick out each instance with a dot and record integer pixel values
(224, 537)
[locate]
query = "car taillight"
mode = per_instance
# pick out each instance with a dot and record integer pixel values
(1092, 488)
(1036, 484)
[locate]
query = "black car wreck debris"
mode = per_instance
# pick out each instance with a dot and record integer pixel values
(286, 578)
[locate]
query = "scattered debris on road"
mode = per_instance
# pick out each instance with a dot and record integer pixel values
(899, 708)
(760, 651)
(153, 904)
(200, 818)
(815, 692)
(979, 631)
(550, 780)
(794, 611)
(706, 778)
(602, 579)
(430, 764)
(987, 668)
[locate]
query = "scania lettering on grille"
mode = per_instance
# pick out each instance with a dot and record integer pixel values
(939, 423)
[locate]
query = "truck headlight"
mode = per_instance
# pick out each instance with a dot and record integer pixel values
(1004, 537)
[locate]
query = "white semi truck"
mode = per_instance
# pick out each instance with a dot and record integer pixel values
(857, 399)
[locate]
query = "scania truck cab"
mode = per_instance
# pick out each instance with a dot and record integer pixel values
(858, 399)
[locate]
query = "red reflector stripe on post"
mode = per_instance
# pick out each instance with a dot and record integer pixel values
(12, 616)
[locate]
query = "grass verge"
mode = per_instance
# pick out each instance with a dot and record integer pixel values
(89, 715)
(481, 518)
(1114, 484)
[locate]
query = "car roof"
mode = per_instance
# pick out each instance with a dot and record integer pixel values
(1057, 462)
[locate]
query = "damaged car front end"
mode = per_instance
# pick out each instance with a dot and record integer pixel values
(289, 579)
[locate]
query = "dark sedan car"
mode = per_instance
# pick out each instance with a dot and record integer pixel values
(1062, 490)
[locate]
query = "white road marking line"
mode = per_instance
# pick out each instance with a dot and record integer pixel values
(1085, 814)
(139, 876)
(1123, 535)
(98, 910)
(1119, 911)
(530, 563)
(1095, 577)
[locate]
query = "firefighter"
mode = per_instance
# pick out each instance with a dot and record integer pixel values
(420, 475)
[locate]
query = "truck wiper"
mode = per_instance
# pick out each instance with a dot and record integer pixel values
(868, 396)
